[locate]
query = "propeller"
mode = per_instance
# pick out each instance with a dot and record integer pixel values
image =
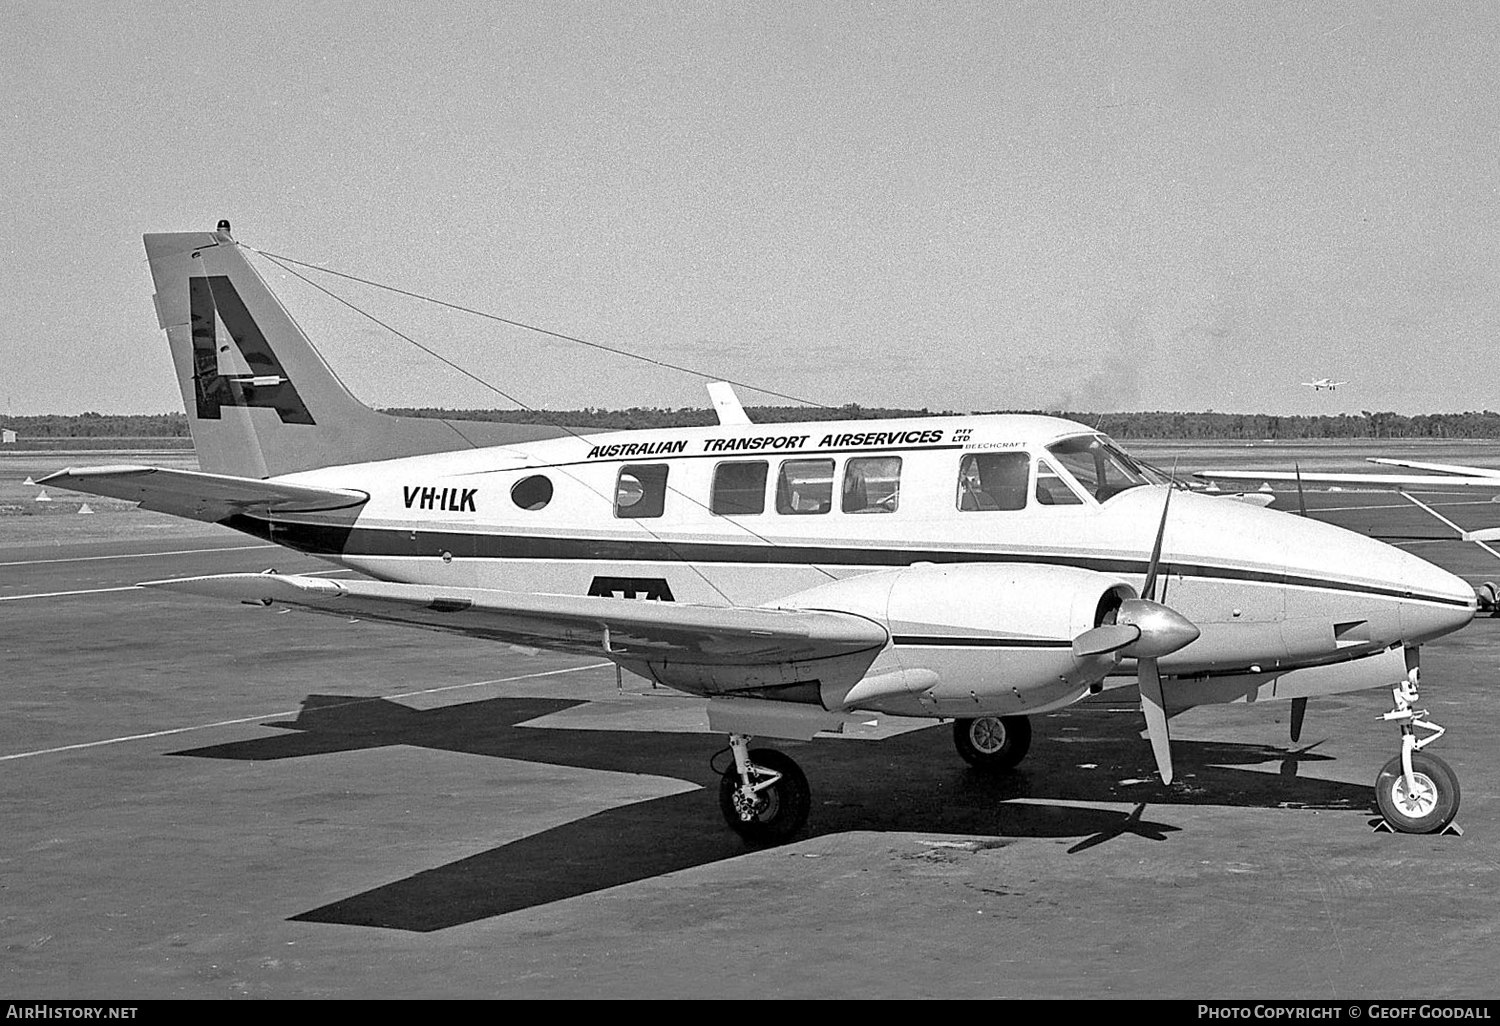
(1171, 637)
(1299, 705)
(1146, 630)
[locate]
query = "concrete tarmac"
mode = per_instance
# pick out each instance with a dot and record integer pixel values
(203, 800)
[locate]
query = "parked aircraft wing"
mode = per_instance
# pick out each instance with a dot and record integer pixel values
(1444, 468)
(632, 631)
(199, 496)
(1405, 482)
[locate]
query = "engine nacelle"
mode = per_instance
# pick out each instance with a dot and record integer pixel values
(973, 639)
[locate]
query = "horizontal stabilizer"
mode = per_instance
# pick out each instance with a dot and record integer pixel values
(199, 496)
(620, 628)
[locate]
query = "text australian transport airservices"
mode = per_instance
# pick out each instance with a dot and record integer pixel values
(772, 443)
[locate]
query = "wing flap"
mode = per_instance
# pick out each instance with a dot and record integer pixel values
(627, 630)
(199, 496)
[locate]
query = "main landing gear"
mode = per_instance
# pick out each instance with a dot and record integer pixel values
(764, 795)
(993, 743)
(1417, 793)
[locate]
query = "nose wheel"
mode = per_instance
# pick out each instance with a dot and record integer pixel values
(1416, 793)
(764, 796)
(1426, 802)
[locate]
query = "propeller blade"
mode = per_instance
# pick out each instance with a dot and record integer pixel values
(1111, 637)
(1149, 590)
(1301, 499)
(1154, 708)
(1299, 710)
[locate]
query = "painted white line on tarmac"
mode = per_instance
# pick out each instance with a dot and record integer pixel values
(62, 594)
(294, 712)
(141, 555)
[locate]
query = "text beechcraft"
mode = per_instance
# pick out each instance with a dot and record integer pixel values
(981, 569)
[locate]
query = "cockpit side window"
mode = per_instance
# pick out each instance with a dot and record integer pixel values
(1098, 465)
(993, 481)
(1051, 489)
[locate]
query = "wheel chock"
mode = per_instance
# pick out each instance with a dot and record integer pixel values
(1378, 825)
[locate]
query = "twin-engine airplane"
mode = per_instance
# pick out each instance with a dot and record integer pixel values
(981, 569)
(1322, 383)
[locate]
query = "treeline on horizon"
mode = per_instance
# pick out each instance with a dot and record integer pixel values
(1156, 424)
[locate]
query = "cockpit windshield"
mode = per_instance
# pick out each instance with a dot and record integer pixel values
(1099, 465)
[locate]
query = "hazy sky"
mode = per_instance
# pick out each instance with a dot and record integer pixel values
(1093, 205)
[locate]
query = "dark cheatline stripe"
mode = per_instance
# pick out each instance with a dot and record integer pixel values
(329, 539)
(958, 642)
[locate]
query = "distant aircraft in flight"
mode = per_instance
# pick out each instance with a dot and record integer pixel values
(1322, 383)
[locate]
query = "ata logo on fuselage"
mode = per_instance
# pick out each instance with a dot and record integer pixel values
(654, 588)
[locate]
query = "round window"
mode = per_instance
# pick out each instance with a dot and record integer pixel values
(629, 491)
(533, 493)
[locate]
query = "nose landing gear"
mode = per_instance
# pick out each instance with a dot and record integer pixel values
(1417, 793)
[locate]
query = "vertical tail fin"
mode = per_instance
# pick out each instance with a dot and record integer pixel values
(260, 400)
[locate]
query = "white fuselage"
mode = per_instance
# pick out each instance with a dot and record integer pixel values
(1266, 589)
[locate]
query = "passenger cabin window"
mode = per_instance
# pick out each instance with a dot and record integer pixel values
(641, 491)
(1051, 489)
(739, 489)
(1098, 465)
(805, 486)
(532, 493)
(872, 484)
(993, 481)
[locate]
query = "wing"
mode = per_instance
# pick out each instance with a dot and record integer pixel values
(1442, 468)
(1405, 482)
(198, 496)
(630, 632)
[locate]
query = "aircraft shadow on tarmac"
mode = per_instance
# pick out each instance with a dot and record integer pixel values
(908, 782)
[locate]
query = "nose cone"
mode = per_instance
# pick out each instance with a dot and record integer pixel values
(1362, 572)
(1436, 602)
(1357, 589)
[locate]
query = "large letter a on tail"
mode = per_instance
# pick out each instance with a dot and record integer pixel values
(213, 300)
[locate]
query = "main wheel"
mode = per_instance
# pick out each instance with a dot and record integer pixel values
(1428, 807)
(776, 813)
(993, 742)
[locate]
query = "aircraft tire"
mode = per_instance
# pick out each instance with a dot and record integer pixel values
(993, 743)
(783, 807)
(1432, 806)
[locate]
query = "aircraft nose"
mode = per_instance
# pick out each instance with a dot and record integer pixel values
(1356, 579)
(1435, 603)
